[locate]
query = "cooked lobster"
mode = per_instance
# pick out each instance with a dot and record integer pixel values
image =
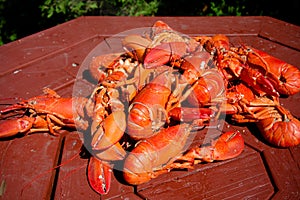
(48, 112)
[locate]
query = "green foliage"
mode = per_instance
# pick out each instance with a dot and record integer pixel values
(138, 8)
(74, 8)
(229, 8)
(2, 21)
(220, 8)
(71, 9)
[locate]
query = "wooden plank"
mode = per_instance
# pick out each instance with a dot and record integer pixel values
(279, 31)
(26, 166)
(72, 180)
(285, 173)
(40, 45)
(187, 25)
(53, 71)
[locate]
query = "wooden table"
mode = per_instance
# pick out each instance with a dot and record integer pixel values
(52, 58)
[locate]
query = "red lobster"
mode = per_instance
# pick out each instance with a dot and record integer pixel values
(158, 154)
(263, 72)
(276, 124)
(268, 77)
(49, 112)
(106, 109)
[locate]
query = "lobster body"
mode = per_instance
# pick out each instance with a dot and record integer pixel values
(148, 110)
(153, 153)
(210, 86)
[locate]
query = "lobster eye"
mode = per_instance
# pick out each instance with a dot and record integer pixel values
(32, 102)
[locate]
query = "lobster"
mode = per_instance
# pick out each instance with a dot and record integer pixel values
(105, 147)
(48, 112)
(263, 72)
(276, 124)
(106, 112)
(158, 154)
(168, 46)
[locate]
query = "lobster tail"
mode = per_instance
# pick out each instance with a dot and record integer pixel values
(281, 131)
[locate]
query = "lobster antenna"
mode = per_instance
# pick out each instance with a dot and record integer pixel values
(35, 178)
(9, 99)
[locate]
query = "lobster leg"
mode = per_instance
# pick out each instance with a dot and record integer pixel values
(52, 118)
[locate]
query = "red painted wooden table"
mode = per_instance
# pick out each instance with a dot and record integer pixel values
(52, 58)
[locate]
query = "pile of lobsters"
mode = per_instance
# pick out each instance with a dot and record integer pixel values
(150, 100)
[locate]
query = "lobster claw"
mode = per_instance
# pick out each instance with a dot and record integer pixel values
(228, 146)
(24, 125)
(12, 127)
(109, 131)
(164, 53)
(99, 175)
